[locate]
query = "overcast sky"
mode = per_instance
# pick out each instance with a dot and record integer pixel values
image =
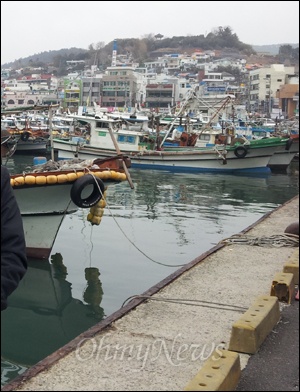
(32, 27)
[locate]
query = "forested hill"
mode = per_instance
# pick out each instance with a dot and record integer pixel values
(150, 47)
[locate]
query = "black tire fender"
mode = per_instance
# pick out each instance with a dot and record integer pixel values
(240, 151)
(80, 184)
(288, 144)
(25, 136)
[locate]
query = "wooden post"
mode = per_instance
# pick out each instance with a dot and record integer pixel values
(119, 153)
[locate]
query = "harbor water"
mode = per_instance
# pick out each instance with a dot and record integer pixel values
(147, 233)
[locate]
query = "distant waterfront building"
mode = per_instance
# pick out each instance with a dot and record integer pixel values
(264, 83)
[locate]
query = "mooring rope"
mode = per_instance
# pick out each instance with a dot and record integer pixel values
(125, 235)
(192, 302)
(276, 240)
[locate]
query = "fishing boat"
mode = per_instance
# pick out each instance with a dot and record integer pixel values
(49, 190)
(281, 160)
(8, 145)
(146, 148)
(31, 136)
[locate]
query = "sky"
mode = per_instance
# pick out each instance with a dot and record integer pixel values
(32, 27)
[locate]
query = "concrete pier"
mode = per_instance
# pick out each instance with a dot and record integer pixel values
(166, 339)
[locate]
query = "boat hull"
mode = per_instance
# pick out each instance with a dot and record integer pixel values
(32, 146)
(45, 197)
(281, 160)
(192, 160)
(43, 211)
(40, 233)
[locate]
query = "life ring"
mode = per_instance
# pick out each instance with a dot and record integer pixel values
(240, 151)
(80, 184)
(288, 144)
(25, 136)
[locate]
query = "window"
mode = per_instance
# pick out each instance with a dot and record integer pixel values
(126, 139)
(204, 137)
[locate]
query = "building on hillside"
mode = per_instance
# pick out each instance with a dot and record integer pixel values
(72, 94)
(263, 85)
(288, 97)
(119, 87)
(91, 90)
(160, 96)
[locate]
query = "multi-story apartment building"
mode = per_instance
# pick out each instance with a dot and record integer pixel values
(263, 86)
(119, 87)
(91, 90)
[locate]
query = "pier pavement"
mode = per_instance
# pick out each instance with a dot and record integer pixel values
(162, 343)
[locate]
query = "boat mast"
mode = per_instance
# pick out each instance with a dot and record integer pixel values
(50, 132)
(183, 107)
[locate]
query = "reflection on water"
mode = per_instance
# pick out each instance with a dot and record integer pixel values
(42, 315)
(169, 218)
(10, 370)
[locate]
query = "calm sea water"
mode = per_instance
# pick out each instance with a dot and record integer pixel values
(145, 235)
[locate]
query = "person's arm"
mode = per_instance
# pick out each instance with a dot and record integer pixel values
(13, 246)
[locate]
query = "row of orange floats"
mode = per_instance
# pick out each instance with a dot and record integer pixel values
(45, 179)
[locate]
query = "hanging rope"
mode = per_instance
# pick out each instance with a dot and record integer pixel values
(149, 258)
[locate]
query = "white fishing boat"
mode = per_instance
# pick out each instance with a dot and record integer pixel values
(50, 190)
(146, 149)
(279, 161)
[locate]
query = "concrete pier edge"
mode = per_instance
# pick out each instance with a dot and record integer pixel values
(247, 335)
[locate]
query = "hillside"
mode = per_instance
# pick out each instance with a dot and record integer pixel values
(223, 40)
(272, 49)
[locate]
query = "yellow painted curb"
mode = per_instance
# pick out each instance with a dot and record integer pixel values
(255, 324)
(283, 286)
(292, 266)
(221, 372)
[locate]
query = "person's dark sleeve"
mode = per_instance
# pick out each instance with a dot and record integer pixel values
(13, 246)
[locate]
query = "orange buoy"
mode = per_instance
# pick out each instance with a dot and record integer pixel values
(72, 176)
(19, 181)
(40, 180)
(62, 178)
(29, 180)
(51, 179)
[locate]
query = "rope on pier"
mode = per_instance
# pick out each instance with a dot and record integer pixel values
(276, 240)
